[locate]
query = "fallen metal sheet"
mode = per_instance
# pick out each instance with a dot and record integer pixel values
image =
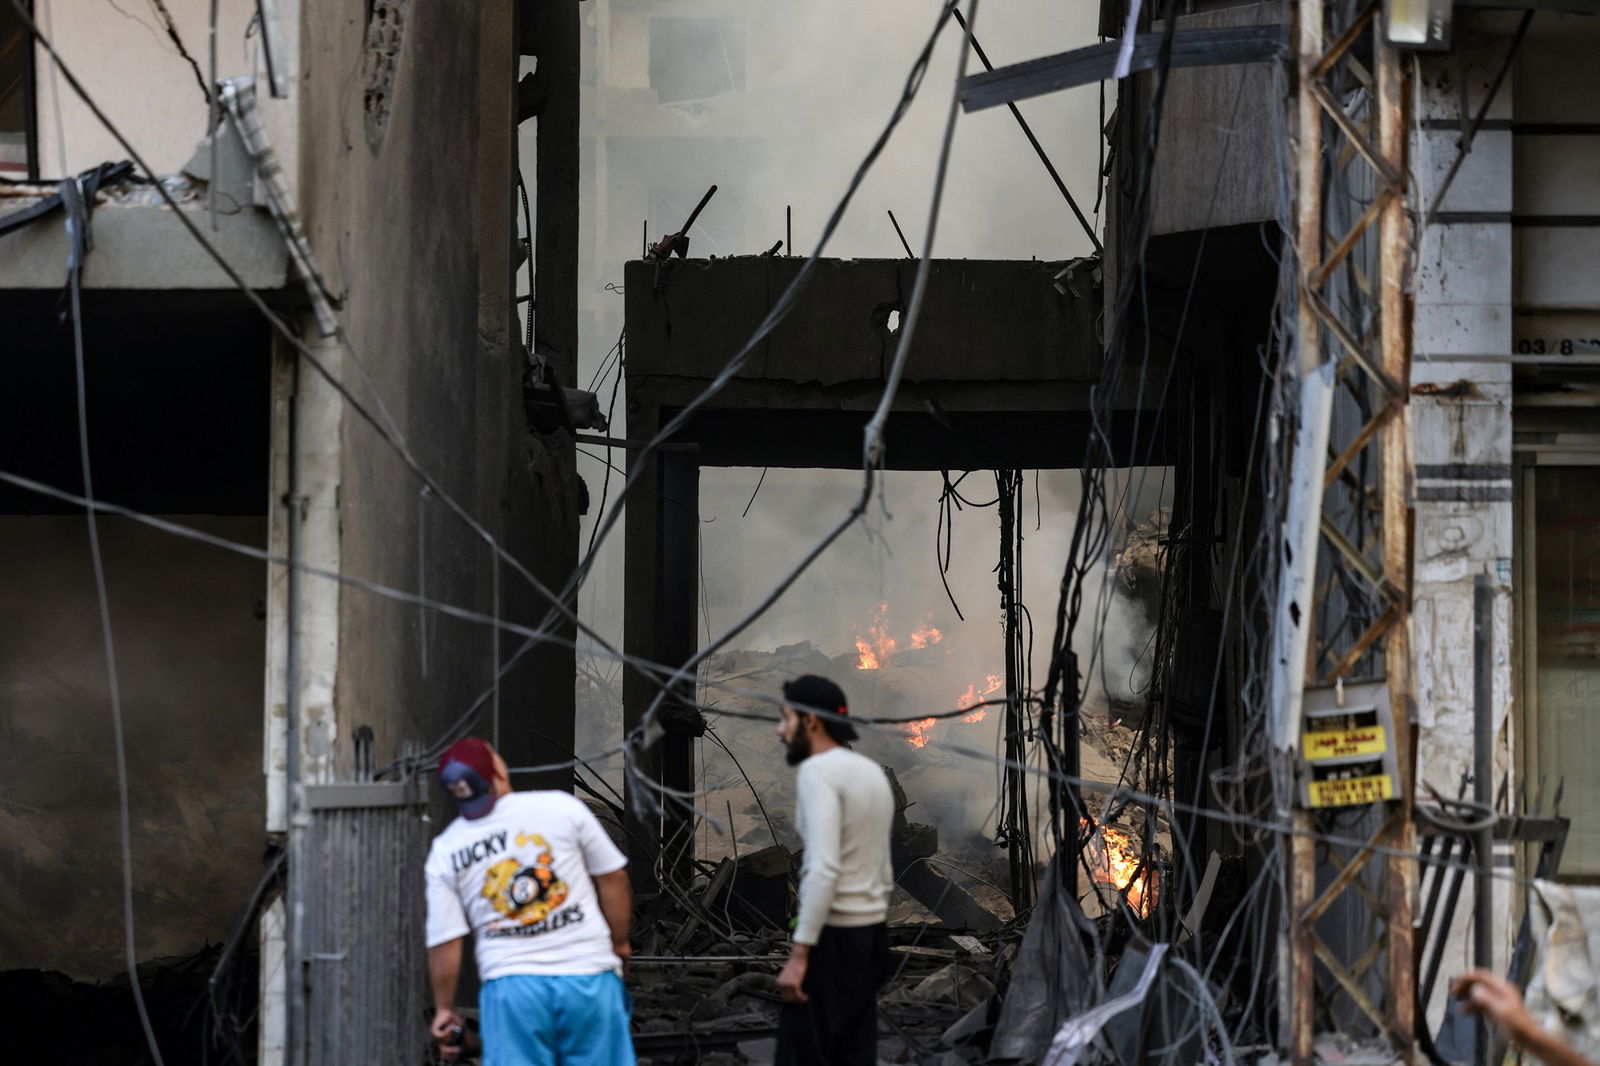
(1176, 1014)
(1081, 66)
(1053, 977)
(1079, 1032)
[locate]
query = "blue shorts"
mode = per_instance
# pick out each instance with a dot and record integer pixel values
(570, 1020)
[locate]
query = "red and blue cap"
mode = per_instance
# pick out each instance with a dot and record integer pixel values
(809, 692)
(466, 770)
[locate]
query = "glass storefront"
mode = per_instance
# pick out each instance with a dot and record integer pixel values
(1564, 622)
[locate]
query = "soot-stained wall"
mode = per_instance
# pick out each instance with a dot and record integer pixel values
(408, 186)
(187, 626)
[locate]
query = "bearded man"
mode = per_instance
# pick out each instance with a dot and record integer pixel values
(844, 808)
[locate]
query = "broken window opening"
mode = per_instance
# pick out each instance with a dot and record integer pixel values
(696, 58)
(18, 116)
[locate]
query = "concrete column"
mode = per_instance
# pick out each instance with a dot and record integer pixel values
(661, 625)
(551, 31)
(1461, 433)
(272, 1029)
(302, 658)
(315, 412)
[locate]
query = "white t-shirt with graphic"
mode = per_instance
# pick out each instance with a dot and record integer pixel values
(519, 879)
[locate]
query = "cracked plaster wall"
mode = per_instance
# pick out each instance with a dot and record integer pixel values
(147, 83)
(1460, 423)
(416, 229)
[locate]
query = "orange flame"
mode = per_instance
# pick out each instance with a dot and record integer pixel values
(918, 731)
(876, 647)
(992, 683)
(866, 658)
(925, 635)
(1114, 859)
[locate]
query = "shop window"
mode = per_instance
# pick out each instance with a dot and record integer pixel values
(1564, 618)
(17, 132)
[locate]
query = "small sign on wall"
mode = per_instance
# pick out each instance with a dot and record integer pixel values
(1348, 791)
(1346, 752)
(1555, 335)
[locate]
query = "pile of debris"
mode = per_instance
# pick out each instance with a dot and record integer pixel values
(707, 957)
(709, 945)
(724, 1009)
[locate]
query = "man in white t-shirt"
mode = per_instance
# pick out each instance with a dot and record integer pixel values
(545, 894)
(844, 809)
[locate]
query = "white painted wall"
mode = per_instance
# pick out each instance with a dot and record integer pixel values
(121, 52)
(1461, 436)
(316, 453)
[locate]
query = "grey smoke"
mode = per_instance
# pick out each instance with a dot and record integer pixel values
(776, 103)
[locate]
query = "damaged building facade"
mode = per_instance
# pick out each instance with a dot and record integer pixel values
(1306, 416)
(294, 337)
(1482, 380)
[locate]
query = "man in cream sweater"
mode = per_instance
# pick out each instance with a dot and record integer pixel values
(843, 809)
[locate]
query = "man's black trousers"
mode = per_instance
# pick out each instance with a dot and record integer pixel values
(838, 1025)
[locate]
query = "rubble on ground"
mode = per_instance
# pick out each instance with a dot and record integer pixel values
(709, 945)
(710, 1010)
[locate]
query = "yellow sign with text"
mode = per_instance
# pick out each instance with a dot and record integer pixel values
(1348, 791)
(1338, 743)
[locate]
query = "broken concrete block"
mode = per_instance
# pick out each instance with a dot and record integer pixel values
(893, 1050)
(759, 1052)
(914, 841)
(954, 905)
(961, 986)
(971, 945)
(758, 895)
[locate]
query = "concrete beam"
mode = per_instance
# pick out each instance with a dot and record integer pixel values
(552, 32)
(145, 247)
(984, 321)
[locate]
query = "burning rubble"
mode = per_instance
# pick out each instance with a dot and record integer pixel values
(953, 928)
(876, 647)
(1113, 858)
(972, 697)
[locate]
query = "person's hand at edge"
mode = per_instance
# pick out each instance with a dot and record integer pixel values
(448, 1031)
(792, 978)
(1496, 999)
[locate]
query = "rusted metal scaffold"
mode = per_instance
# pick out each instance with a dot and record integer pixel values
(1343, 688)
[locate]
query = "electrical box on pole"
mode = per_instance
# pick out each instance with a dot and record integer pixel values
(1344, 603)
